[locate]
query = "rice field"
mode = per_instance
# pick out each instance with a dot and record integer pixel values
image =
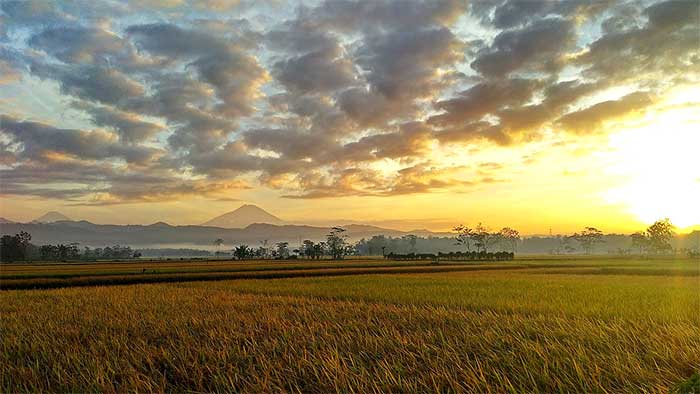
(605, 326)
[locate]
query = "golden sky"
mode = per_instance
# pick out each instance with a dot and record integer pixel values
(407, 114)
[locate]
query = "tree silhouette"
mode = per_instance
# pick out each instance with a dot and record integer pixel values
(218, 242)
(483, 237)
(640, 241)
(336, 242)
(282, 249)
(463, 237)
(242, 252)
(659, 235)
(511, 236)
(411, 239)
(588, 238)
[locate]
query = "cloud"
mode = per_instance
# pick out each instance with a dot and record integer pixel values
(32, 11)
(374, 15)
(105, 85)
(38, 138)
(412, 139)
(537, 47)
(416, 179)
(482, 99)
(310, 100)
(513, 13)
(78, 44)
(405, 65)
(8, 73)
(588, 120)
(665, 48)
(130, 127)
(324, 70)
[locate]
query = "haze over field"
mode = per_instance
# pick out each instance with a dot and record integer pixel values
(402, 114)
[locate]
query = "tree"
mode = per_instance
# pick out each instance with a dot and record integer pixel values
(588, 238)
(242, 252)
(511, 236)
(640, 241)
(319, 249)
(411, 239)
(463, 237)
(14, 248)
(336, 242)
(484, 238)
(9, 248)
(310, 249)
(23, 239)
(282, 249)
(218, 242)
(659, 235)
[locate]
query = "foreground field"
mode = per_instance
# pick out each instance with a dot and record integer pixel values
(591, 326)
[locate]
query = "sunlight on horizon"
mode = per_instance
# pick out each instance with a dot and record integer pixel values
(660, 165)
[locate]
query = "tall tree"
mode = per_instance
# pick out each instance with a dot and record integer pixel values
(336, 242)
(660, 234)
(640, 241)
(218, 242)
(411, 239)
(282, 249)
(511, 236)
(484, 238)
(464, 236)
(588, 238)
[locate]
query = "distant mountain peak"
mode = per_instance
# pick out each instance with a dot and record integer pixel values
(50, 217)
(244, 216)
(160, 224)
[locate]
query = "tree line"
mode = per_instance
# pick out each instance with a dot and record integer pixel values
(478, 242)
(336, 247)
(19, 248)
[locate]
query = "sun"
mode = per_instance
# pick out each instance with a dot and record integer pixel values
(658, 164)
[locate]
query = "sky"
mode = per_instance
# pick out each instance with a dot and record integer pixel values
(543, 116)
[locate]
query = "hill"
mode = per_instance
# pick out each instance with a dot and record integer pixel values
(244, 216)
(51, 217)
(161, 234)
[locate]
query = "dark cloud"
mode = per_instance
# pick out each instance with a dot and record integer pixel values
(665, 47)
(374, 15)
(537, 47)
(78, 44)
(320, 71)
(410, 140)
(235, 75)
(105, 85)
(404, 65)
(38, 139)
(482, 99)
(588, 120)
(371, 109)
(291, 144)
(130, 127)
(473, 131)
(515, 13)
(673, 14)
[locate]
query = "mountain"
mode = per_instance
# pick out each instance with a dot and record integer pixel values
(5, 221)
(51, 217)
(162, 234)
(244, 217)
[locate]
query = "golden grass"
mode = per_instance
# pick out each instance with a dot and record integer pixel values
(486, 332)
